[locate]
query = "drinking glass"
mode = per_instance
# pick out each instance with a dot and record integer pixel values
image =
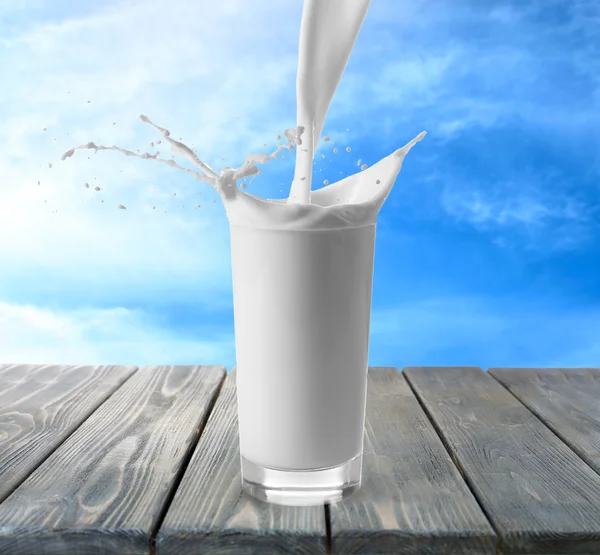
(302, 305)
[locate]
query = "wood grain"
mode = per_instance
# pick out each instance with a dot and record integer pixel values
(412, 499)
(41, 405)
(211, 514)
(539, 495)
(567, 400)
(103, 491)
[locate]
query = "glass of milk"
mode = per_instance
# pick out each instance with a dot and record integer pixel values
(302, 304)
(302, 280)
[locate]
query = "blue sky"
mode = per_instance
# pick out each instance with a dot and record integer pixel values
(487, 249)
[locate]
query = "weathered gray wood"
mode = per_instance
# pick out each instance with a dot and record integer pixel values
(539, 495)
(104, 489)
(567, 400)
(211, 514)
(412, 499)
(41, 405)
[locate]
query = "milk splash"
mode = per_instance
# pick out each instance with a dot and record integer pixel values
(328, 32)
(224, 182)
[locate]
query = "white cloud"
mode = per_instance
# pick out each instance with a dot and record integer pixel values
(439, 322)
(456, 67)
(471, 330)
(100, 336)
(146, 58)
(546, 211)
(413, 80)
(87, 241)
(211, 72)
(481, 209)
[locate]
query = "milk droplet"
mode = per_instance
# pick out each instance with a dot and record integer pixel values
(38, 182)
(158, 142)
(96, 188)
(121, 207)
(378, 182)
(348, 149)
(88, 101)
(154, 208)
(279, 137)
(359, 161)
(102, 201)
(199, 206)
(151, 144)
(214, 201)
(114, 123)
(44, 129)
(322, 156)
(364, 167)
(87, 185)
(335, 150)
(325, 139)
(49, 165)
(303, 179)
(326, 182)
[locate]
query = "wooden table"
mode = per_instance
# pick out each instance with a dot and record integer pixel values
(119, 460)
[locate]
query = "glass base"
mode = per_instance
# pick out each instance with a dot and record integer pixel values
(301, 487)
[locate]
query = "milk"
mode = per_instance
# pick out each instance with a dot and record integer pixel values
(327, 35)
(350, 202)
(302, 271)
(302, 302)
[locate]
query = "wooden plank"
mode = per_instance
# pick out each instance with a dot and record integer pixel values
(412, 498)
(41, 405)
(539, 495)
(567, 400)
(104, 490)
(211, 514)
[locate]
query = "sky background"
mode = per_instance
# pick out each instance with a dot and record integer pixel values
(488, 248)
